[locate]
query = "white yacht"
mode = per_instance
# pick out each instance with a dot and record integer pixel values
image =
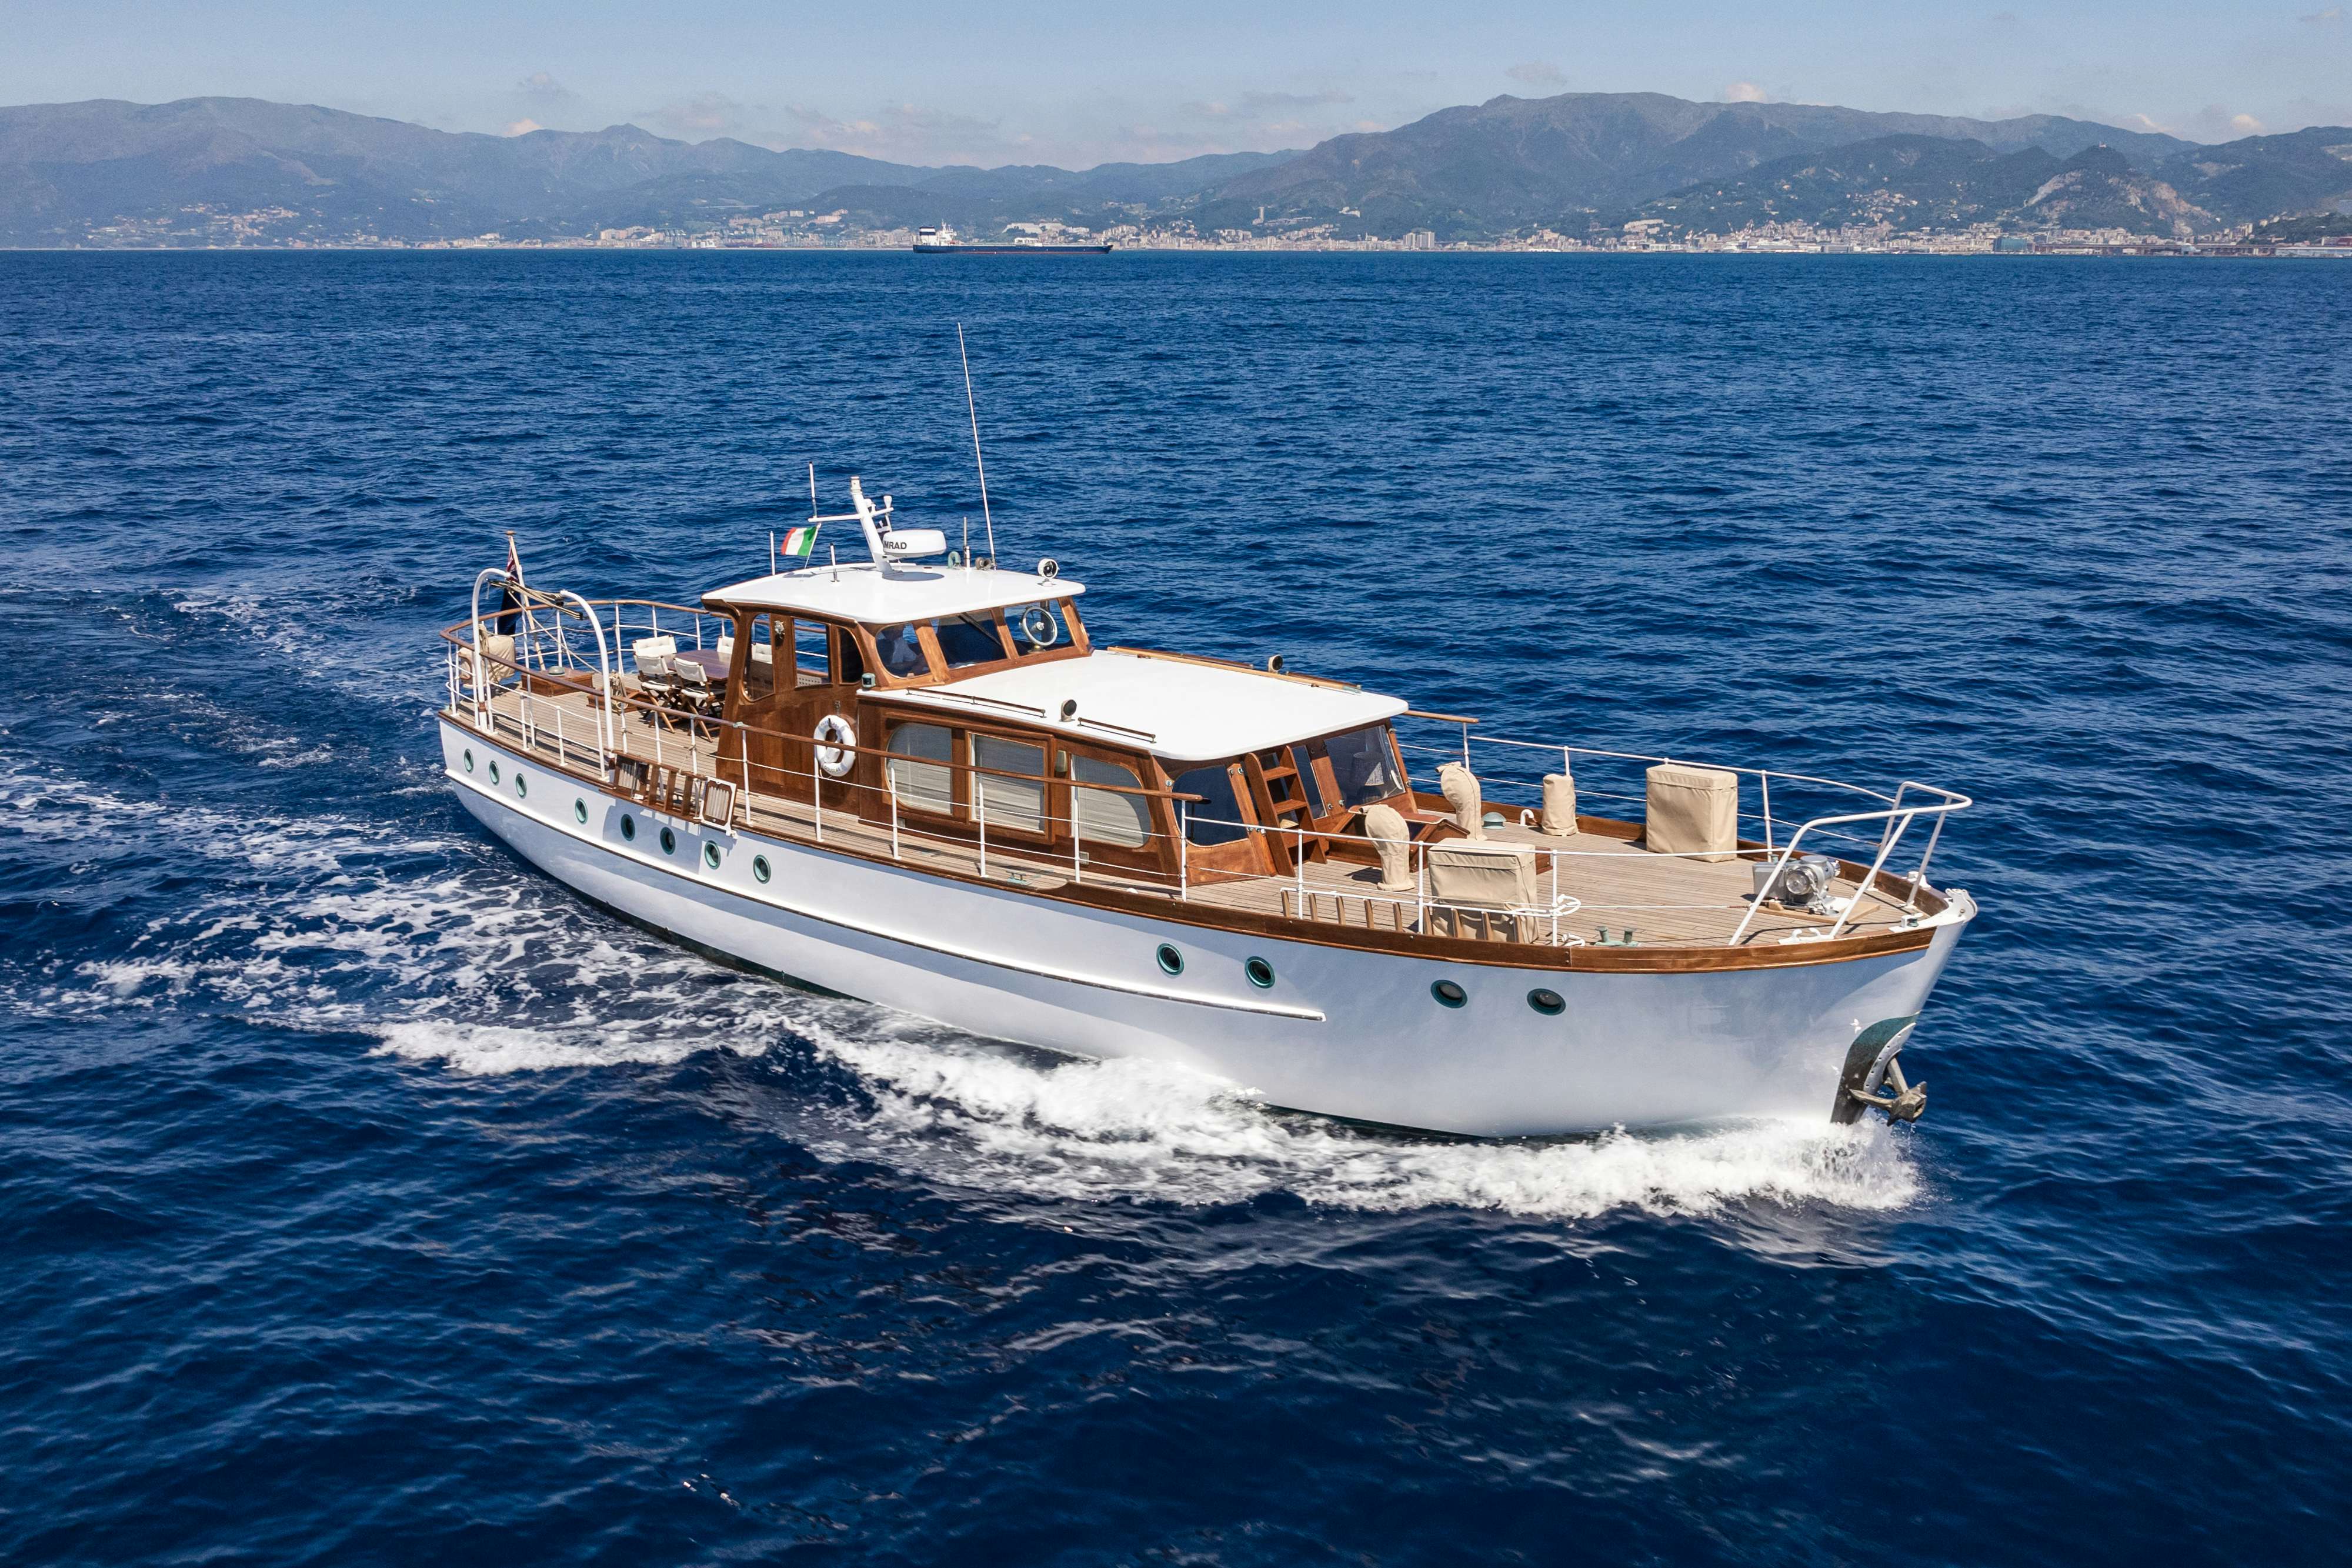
(915, 780)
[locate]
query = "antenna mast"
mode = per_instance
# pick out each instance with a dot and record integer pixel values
(972, 409)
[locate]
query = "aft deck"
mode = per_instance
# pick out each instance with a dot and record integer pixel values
(1599, 886)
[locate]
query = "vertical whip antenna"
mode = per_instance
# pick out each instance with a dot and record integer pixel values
(987, 519)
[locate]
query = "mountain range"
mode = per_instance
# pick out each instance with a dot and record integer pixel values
(109, 172)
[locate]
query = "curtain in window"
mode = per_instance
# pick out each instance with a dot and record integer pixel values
(1105, 818)
(917, 753)
(1018, 803)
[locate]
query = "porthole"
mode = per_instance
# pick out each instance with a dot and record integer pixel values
(669, 842)
(628, 826)
(710, 854)
(1448, 993)
(580, 810)
(470, 758)
(759, 867)
(1550, 1004)
(1171, 960)
(1260, 972)
(494, 773)
(522, 787)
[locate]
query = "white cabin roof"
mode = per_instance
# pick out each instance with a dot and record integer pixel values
(1183, 712)
(864, 592)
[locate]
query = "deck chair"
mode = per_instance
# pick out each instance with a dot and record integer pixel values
(656, 678)
(695, 690)
(1486, 890)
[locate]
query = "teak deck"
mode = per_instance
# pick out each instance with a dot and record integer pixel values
(1665, 901)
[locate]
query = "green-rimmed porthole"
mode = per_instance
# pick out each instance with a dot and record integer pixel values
(669, 842)
(1550, 1003)
(710, 854)
(1260, 972)
(628, 825)
(522, 787)
(759, 867)
(470, 758)
(494, 773)
(1449, 994)
(580, 810)
(1171, 960)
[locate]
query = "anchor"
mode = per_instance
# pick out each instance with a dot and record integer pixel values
(1870, 1065)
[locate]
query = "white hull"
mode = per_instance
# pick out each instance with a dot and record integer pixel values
(1343, 1031)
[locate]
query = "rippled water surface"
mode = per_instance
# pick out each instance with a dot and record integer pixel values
(367, 1200)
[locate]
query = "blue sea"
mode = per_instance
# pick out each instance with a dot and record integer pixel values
(366, 1199)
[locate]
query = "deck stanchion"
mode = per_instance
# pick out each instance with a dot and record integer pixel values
(817, 796)
(1299, 858)
(1765, 775)
(894, 818)
(1911, 899)
(1183, 852)
(1078, 839)
(980, 811)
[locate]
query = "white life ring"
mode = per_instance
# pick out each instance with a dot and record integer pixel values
(835, 736)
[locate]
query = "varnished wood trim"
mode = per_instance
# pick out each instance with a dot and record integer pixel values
(1168, 908)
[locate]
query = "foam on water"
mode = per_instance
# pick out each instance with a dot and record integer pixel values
(977, 1116)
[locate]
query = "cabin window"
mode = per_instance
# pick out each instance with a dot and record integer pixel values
(1106, 817)
(809, 652)
(848, 661)
(919, 771)
(1364, 763)
(1034, 627)
(969, 639)
(760, 667)
(1018, 803)
(1310, 782)
(1216, 816)
(902, 650)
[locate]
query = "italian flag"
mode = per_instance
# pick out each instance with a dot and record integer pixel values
(800, 544)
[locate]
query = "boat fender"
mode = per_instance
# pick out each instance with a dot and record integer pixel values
(1870, 1066)
(835, 736)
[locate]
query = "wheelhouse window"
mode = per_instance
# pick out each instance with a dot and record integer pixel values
(902, 650)
(1015, 803)
(760, 665)
(1216, 817)
(809, 652)
(1364, 764)
(969, 639)
(920, 775)
(1034, 628)
(1107, 816)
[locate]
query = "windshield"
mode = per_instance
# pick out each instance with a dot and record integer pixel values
(969, 639)
(1364, 765)
(1034, 627)
(902, 650)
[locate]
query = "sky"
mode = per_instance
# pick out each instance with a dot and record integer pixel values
(935, 82)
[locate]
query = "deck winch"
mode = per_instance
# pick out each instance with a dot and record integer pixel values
(1802, 883)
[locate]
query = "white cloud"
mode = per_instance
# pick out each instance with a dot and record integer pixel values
(1744, 92)
(2332, 17)
(701, 117)
(2245, 125)
(1537, 73)
(543, 92)
(520, 128)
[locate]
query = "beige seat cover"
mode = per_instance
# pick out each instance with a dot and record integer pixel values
(1483, 873)
(1693, 811)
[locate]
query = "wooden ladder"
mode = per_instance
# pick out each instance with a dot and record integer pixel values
(1280, 796)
